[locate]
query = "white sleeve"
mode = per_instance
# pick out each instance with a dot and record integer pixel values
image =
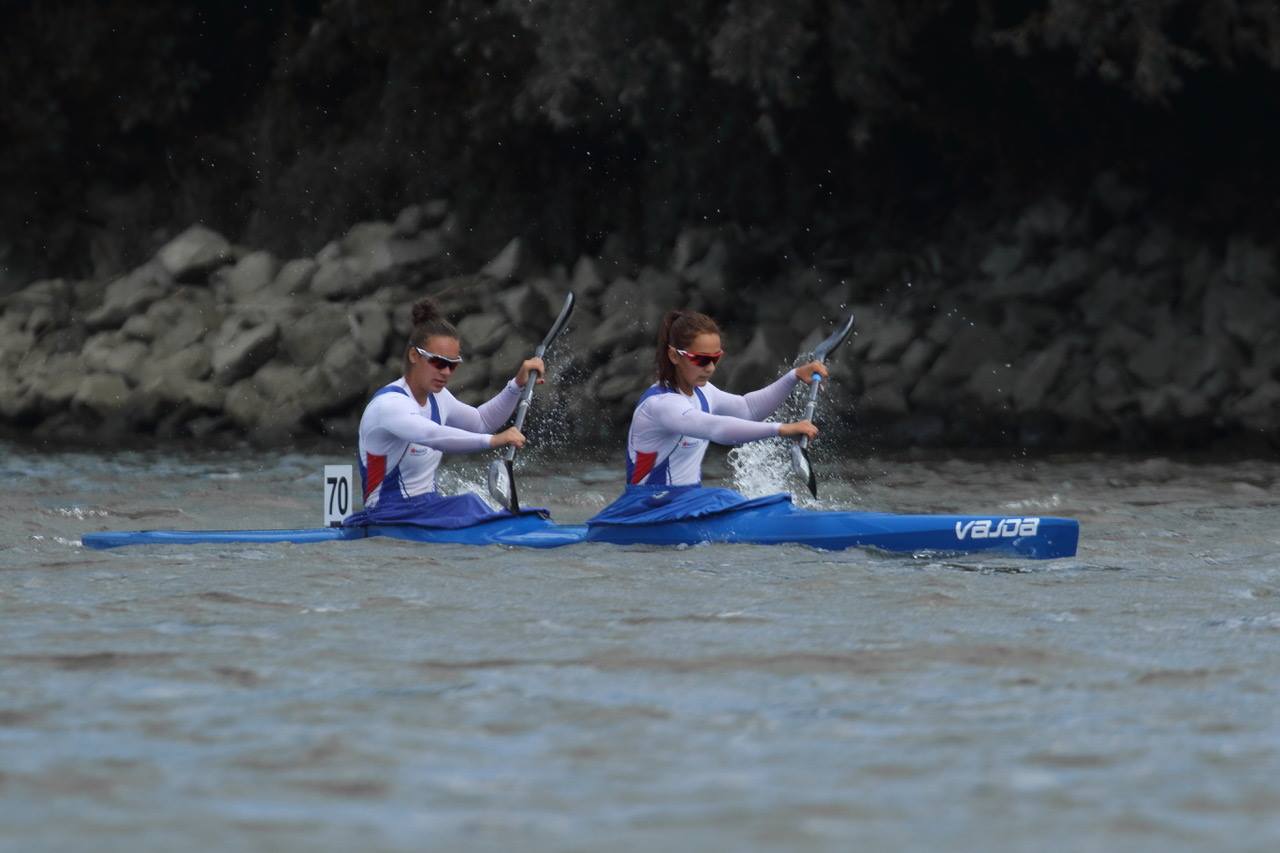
(490, 416)
(406, 423)
(679, 418)
(755, 406)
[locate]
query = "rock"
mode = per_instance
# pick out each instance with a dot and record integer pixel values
(619, 388)
(370, 327)
(103, 394)
(710, 275)
(109, 352)
(247, 351)
(244, 404)
(343, 278)
(1152, 361)
(972, 345)
(1033, 382)
(294, 278)
(991, 383)
(756, 366)
(189, 364)
(250, 276)
(482, 333)
(1002, 261)
(128, 295)
(1250, 265)
(423, 247)
(409, 221)
(659, 289)
(305, 342)
(1046, 218)
(508, 264)
(587, 282)
(506, 360)
(435, 211)
(366, 242)
(1260, 409)
(194, 253)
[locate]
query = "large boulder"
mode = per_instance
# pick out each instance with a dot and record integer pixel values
(194, 253)
(244, 353)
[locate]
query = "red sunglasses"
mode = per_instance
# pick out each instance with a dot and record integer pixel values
(702, 359)
(439, 362)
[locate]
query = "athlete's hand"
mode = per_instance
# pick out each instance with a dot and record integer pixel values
(531, 364)
(805, 371)
(510, 435)
(805, 428)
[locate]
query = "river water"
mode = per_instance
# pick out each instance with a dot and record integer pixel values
(385, 695)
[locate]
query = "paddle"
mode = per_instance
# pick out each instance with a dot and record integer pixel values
(800, 462)
(502, 477)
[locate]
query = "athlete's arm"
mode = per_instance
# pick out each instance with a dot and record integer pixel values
(489, 417)
(677, 417)
(408, 424)
(755, 406)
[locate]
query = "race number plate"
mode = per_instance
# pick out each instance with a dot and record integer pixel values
(337, 494)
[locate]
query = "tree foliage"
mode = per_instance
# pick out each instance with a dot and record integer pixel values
(574, 119)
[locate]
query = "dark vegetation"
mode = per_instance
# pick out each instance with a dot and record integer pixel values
(572, 122)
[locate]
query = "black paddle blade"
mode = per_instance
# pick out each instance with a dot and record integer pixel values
(511, 478)
(813, 478)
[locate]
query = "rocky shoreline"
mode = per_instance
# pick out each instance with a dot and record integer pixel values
(1059, 326)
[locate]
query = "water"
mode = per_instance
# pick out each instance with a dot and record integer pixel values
(392, 696)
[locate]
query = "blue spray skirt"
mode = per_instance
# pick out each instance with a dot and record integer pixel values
(1036, 537)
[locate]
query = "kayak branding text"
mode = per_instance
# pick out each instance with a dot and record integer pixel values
(986, 528)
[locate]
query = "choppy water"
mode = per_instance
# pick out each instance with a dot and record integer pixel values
(384, 695)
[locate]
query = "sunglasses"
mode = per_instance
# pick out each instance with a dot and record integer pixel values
(701, 359)
(439, 362)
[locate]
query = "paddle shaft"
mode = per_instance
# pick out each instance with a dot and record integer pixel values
(522, 408)
(810, 406)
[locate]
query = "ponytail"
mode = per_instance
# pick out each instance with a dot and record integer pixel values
(428, 322)
(678, 329)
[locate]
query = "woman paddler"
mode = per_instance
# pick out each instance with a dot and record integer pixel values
(680, 414)
(411, 423)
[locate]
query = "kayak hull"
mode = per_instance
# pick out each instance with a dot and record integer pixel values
(1035, 537)
(1023, 536)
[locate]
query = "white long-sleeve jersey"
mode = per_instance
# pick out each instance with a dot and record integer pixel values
(401, 443)
(670, 431)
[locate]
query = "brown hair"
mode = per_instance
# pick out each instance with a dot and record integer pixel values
(678, 330)
(428, 322)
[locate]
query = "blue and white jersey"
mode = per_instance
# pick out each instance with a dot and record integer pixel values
(670, 431)
(402, 443)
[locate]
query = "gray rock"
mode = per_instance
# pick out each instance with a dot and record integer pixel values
(1041, 372)
(971, 346)
(482, 333)
(370, 327)
(991, 383)
(508, 263)
(619, 388)
(103, 394)
(423, 247)
(294, 278)
(409, 221)
(244, 404)
(587, 282)
(247, 351)
(435, 211)
(343, 278)
(128, 295)
(194, 253)
(1250, 265)
(1002, 261)
(305, 342)
(248, 277)
(110, 353)
(658, 288)
(506, 360)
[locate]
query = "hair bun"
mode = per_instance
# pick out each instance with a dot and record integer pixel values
(425, 310)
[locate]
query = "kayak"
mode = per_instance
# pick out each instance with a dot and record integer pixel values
(1035, 537)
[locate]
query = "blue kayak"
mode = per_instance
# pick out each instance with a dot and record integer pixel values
(1036, 537)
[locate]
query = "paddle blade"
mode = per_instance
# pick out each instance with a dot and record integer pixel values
(800, 462)
(813, 477)
(501, 483)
